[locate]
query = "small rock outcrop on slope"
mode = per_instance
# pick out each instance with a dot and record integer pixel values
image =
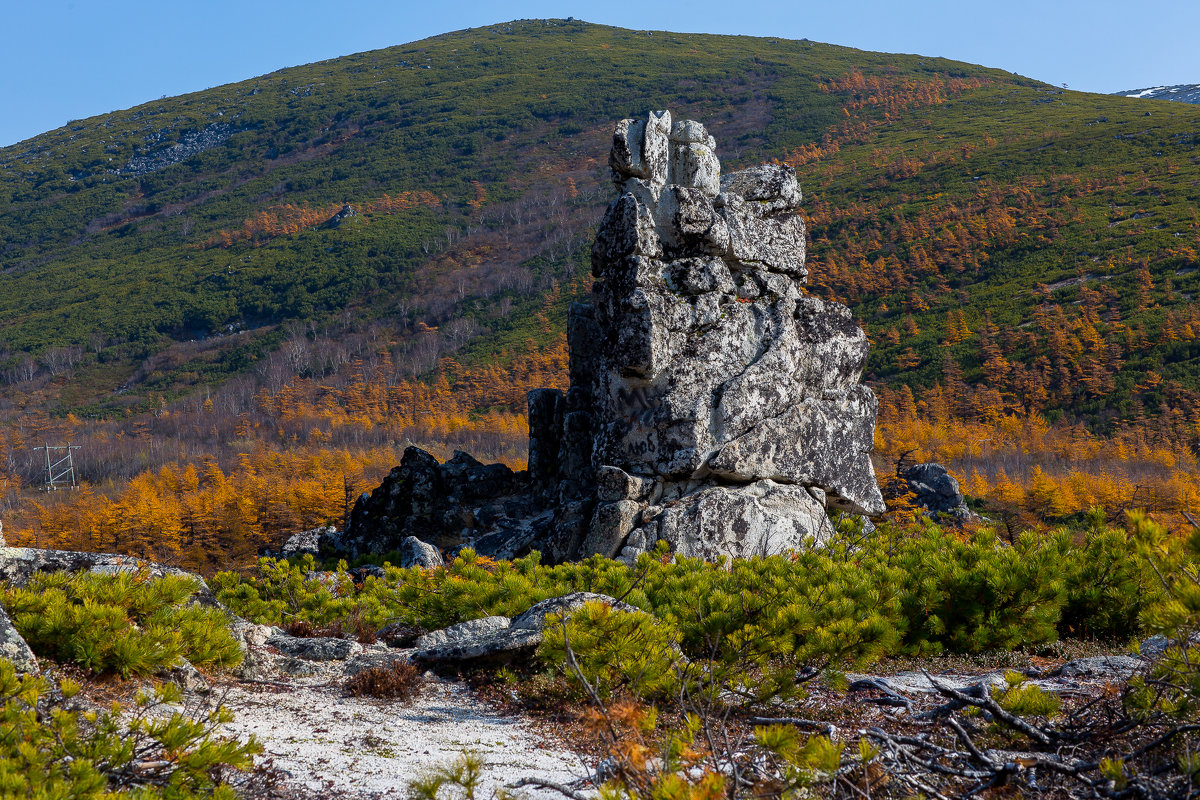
(937, 491)
(712, 403)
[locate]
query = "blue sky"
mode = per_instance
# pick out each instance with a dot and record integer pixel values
(70, 59)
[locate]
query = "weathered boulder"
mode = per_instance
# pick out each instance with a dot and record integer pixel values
(822, 442)
(399, 634)
(1154, 647)
(477, 639)
(316, 648)
(251, 636)
(710, 374)
(501, 638)
(534, 617)
(610, 526)
(298, 544)
(415, 553)
(758, 519)
(936, 490)
(440, 504)
(184, 675)
(18, 564)
(344, 213)
(361, 573)
(908, 682)
(509, 537)
(770, 187)
(1116, 668)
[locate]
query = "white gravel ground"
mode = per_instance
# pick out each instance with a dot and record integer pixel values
(350, 747)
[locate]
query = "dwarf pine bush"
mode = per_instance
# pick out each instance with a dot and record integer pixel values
(920, 590)
(125, 623)
(1018, 698)
(617, 649)
(1108, 584)
(976, 593)
(49, 748)
(1172, 686)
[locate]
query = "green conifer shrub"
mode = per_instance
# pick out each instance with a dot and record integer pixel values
(50, 748)
(124, 623)
(1172, 685)
(282, 591)
(1018, 698)
(921, 590)
(976, 593)
(1108, 584)
(617, 649)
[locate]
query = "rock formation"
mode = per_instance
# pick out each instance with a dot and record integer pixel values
(936, 490)
(712, 403)
(446, 504)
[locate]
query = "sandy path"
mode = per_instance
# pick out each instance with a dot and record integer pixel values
(333, 744)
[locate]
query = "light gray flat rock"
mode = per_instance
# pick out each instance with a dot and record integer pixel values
(316, 648)
(499, 638)
(14, 647)
(1108, 667)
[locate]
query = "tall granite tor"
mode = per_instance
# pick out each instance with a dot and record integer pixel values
(712, 403)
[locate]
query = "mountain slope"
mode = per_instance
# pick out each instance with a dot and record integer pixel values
(990, 231)
(111, 237)
(1180, 93)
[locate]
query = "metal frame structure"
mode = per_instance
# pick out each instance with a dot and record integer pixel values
(64, 478)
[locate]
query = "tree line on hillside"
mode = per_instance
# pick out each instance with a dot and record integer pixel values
(305, 449)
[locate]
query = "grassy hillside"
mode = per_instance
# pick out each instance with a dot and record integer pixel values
(1040, 244)
(109, 247)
